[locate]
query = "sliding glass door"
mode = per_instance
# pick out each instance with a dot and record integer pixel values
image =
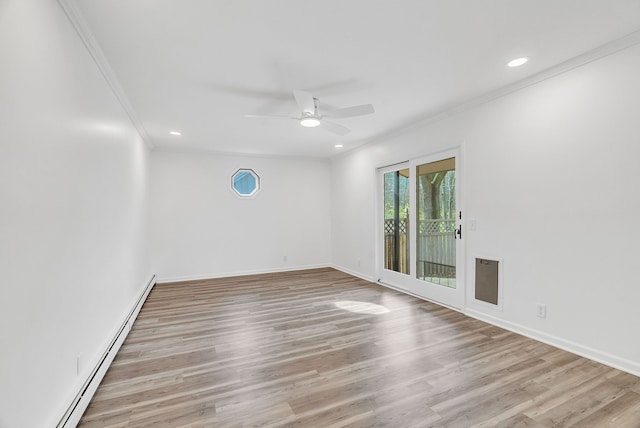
(420, 228)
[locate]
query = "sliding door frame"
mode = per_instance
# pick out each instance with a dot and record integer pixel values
(453, 298)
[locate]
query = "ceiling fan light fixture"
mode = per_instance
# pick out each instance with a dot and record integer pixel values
(309, 122)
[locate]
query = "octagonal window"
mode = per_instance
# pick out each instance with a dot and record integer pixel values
(245, 183)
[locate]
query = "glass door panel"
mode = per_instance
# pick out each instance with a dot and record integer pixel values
(436, 222)
(396, 221)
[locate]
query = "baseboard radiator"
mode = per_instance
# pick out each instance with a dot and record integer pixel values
(73, 414)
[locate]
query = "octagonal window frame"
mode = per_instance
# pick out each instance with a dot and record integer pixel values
(238, 192)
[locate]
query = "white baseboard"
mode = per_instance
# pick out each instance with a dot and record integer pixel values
(74, 412)
(239, 273)
(567, 345)
(353, 273)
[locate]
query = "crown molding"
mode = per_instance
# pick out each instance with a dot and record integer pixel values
(585, 58)
(79, 23)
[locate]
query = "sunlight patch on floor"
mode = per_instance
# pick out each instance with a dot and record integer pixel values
(361, 307)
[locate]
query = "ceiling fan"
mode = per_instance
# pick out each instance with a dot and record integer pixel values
(311, 117)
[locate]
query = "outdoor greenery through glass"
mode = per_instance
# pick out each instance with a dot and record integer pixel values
(436, 204)
(396, 221)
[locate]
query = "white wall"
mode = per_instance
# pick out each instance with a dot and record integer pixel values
(73, 209)
(551, 175)
(202, 229)
(73, 213)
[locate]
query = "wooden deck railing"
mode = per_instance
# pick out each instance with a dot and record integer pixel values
(436, 247)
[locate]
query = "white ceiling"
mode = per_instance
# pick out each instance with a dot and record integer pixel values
(199, 66)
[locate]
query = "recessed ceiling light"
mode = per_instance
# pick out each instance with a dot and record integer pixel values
(517, 62)
(309, 122)
(175, 132)
(338, 146)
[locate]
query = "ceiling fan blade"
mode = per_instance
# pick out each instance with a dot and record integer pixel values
(278, 116)
(335, 128)
(351, 111)
(304, 101)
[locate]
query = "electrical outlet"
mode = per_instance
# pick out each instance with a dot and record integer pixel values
(541, 310)
(284, 258)
(473, 224)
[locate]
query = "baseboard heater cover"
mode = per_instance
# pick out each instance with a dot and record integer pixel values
(73, 414)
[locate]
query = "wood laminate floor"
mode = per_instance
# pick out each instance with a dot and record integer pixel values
(320, 348)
